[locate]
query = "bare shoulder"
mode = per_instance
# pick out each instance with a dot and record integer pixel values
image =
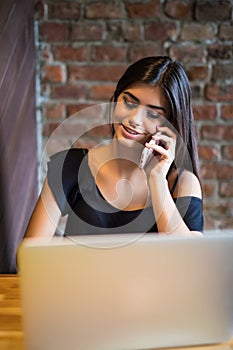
(188, 185)
(97, 157)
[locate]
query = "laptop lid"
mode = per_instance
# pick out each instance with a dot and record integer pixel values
(126, 291)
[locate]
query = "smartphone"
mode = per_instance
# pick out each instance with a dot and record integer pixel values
(148, 154)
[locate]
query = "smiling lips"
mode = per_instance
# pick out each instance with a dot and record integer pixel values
(133, 131)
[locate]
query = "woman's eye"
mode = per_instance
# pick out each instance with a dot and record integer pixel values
(153, 115)
(129, 104)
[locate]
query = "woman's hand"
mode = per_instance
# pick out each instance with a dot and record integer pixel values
(163, 144)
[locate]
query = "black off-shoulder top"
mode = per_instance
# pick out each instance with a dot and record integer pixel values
(77, 195)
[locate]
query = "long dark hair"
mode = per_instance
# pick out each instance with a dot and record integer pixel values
(170, 76)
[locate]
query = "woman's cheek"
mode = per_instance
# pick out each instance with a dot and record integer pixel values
(120, 113)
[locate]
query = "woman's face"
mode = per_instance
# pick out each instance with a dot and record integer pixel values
(139, 110)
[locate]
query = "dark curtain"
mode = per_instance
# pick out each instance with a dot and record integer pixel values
(18, 141)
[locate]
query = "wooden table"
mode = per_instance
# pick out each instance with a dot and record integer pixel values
(11, 331)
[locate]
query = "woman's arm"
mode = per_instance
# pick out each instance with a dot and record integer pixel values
(46, 215)
(167, 215)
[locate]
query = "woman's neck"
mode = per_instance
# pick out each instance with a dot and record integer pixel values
(127, 152)
(120, 156)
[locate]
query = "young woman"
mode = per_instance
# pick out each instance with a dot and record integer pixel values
(110, 188)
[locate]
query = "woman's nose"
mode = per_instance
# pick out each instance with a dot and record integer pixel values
(137, 115)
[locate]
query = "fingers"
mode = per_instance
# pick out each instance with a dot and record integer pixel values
(157, 149)
(163, 142)
(165, 137)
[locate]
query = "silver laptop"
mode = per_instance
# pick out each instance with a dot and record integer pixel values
(126, 291)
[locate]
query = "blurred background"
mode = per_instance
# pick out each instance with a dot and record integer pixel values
(58, 57)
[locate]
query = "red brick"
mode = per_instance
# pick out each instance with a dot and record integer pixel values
(208, 152)
(70, 129)
(209, 188)
(109, 53)
(46, 54)
(56, 144)
(54, 74)
(222, 71)
(196, 91)
(132, 32)
(187, 53)
(226, 189)
(64, 10)
(102, 92)
(45, 89)
(227, 152)
(45, 130)
(226, 31)
(216, 171)
(226, 208)
(198, 31)
(91, 114)
(160, 31)
(102, 73)
(68, 91)
(111, 9)
(218, 208)
(199, 72)
(226, 222)
(114, 32)
(217, 132)
(205, 112)
(73, 108)
(49, 128)
(178, 9)
(215, 92)
(210, 222)
(227, 111)
(39, 9)
(87, 31)
(219, 51)
(144, 10)
(54, 110)
(51, 31)
(218, 10)
(68, 53)
(138, 51)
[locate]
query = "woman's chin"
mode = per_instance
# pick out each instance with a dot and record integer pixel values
(128, 143)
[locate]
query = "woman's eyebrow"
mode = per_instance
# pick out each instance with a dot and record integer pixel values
(138, 101)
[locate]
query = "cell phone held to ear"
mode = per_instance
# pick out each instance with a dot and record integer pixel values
(148, 154)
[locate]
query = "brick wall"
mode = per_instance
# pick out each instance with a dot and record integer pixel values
(84, 46)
